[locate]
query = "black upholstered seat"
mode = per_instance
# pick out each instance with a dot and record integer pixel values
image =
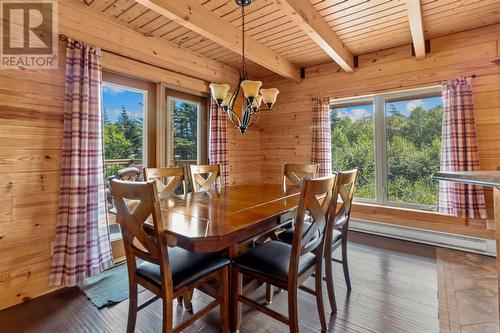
(186, 267)
(287, 235)
(272, 259)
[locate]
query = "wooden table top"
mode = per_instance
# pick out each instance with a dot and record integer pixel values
(483, 178)
(212, 221)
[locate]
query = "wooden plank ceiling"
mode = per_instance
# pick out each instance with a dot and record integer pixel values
(362, 25)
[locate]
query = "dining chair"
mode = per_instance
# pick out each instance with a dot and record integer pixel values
(337, 235)
(167, 180)
(290, 174)
(293, 173)
(288, 266)
(203, 177)
(167, 272)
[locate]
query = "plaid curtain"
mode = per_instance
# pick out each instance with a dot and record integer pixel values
(218, 140)
(322, 142)
(459, 151)
(82, 246)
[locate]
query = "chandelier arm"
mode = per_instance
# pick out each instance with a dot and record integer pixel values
(257, 113)
(235, 94)
(247, 114)
(231, 114)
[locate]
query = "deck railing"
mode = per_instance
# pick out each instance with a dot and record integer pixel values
(112, 166)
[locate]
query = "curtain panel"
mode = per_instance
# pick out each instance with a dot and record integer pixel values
(322, 142)
(82, 246)
(218, 140)
(459, 151)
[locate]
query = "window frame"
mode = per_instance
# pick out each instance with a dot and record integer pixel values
(149, 121)
(166, 123)
(380, 139)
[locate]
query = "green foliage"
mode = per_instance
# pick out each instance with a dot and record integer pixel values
(413, 153)
(122, 140)
(116, 145)
(185, 131)
(353, 147)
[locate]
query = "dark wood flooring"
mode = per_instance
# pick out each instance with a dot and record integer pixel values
(395, 289)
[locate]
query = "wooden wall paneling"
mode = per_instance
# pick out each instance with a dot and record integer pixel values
(286, 132)
(244, 155)
(31, 120)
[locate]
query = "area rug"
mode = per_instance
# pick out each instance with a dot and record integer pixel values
(107, 288)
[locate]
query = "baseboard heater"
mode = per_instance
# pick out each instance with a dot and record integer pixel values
(453, 241)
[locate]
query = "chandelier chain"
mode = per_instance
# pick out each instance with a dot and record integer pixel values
(243, 61)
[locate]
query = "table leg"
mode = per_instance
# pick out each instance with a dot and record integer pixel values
(232, 252)
(496, 199)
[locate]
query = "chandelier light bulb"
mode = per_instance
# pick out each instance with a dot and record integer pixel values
(269, 96)
(251, 88)
(219, 92)
(257, 102)
(227, 100)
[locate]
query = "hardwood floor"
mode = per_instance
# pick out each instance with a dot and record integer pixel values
(467, 292)
(395, 289)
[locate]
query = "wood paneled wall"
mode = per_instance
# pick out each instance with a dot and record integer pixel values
(244, 155)
(286, 133)
(31, 127)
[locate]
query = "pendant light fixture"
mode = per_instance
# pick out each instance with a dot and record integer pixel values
(244, 104)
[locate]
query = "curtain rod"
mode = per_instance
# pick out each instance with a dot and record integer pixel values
(65, 38)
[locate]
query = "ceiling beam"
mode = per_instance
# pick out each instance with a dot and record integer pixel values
(307, 18)
(417, 27)
(196, 17)
(76, 18)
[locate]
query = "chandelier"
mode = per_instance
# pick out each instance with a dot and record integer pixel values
(244, 104)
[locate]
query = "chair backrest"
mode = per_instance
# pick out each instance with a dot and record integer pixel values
(137, 204)
(129, 173)
(346, 188)
(203, 177)
(316, 199)
(294, 173)
(167, 179)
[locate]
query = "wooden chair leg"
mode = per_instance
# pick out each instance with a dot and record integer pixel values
(132, 306)
(180, 299)
(269, 293)
(224, 293)
(293, 310)
(236, 288)
(329, 281)
(168, 324)
(319, 296)
(345, 266)
(188, 298)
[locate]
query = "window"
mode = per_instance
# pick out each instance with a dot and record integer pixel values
(353, 143)
(394, 140)
(184, 131)
(128, 120)
(123, 131)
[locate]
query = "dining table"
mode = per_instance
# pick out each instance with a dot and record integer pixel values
(221, 220)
